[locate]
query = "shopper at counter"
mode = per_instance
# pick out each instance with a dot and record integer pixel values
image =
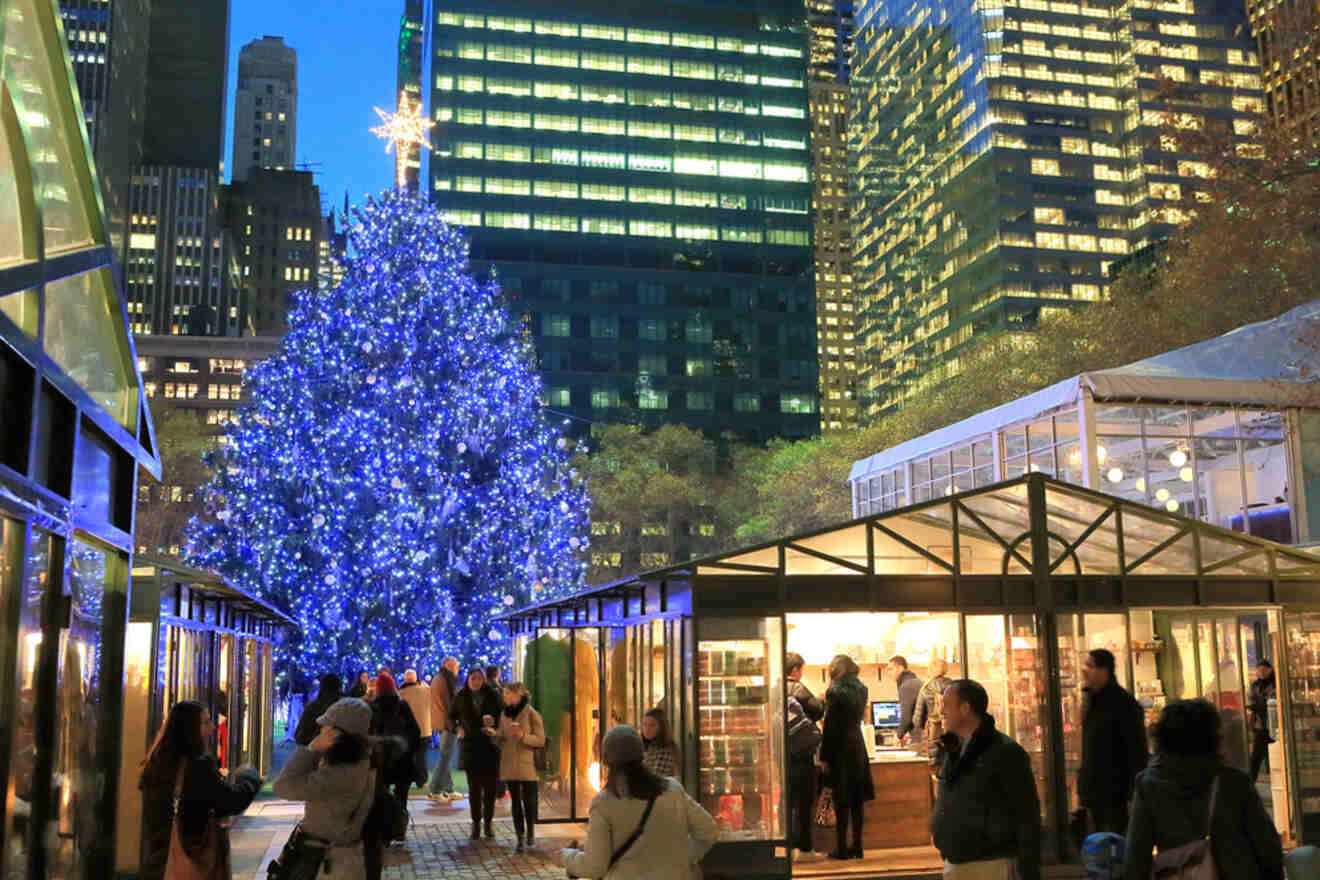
(909, 686)
(844, 757)
(1189, 794)
(930, 706)
(986, 821)
(805, 710)
(1113, 745)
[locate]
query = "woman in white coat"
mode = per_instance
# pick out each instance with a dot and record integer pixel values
(643, 826)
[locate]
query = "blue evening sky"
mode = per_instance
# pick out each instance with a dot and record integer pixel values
(346, 66)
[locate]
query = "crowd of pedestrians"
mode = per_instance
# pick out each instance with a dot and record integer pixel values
(359, 754)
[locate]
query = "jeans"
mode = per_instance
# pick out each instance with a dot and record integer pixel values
(481, 797)
(442, 780)
(523, 796)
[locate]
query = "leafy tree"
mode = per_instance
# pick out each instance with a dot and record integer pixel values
(164, 508)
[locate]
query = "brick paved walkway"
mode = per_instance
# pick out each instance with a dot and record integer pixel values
(438, 844)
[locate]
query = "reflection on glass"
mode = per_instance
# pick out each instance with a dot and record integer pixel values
(23, 749)
(1229, 691)
(1302, 633)
(133, 744)
(86, 336)
(35, 77)
(23, 308)
(562, 670)
(741, 760)
(1078, 635)
(15, 242)
(586, 732)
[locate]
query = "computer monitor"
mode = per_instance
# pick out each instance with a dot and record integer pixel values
(885, 714)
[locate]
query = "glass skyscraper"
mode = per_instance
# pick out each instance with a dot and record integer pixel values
(1006, 152)
(637, 178)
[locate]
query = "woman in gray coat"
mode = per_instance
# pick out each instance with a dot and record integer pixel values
(333, 776)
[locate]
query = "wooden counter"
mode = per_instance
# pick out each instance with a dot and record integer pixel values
(899, 815)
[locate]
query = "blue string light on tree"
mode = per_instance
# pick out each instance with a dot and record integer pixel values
(394, 480)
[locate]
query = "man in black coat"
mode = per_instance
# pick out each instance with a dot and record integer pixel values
(804, 713)
(1113, 745)
(326, 696)
(1262, 691)
(986, 820)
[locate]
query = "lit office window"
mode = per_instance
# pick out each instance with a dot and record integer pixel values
(468, 150)
(740, 233)
(694, 41)
(696, 232)
(649, 129)
(597, 159)
(788, 236)
(644, 162)
(794, 172)
(603, 94)
(508, 153)
(603, 61)
(780, 110)
(744, 401)
(555, 223)
(507, 186)
(555, 155)
(519, 88)
(649, 98)
(651, 195)
(557, 91)
(640, 35)
(602, 32)
(556, 122)
(557, 396)
(693, 163)
(594, 125)
(556, 325)
(508, 220)
(800, 404)
(473, 51)
(740, 168)
(516, 25)
(603, 192)
(652, 66)
(694, 133)
(557, 28)
(508, 119)
(556, 189)
(650, 398)
(651, 228)
(557, 57)
(604, 226)
(467, 184)
(604, 398)
(509, 54)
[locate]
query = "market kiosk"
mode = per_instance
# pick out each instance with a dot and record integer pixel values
(1009, 584)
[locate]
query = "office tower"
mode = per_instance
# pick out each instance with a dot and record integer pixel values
(412, 41)
(107, 42)
(187, 65)
(1289, 58)
(265, 107)
(179, 267)
(830, 32)
(275, 217)
(332, 252)
(1005, 154)
(635, 176)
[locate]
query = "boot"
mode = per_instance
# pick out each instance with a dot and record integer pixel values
(476, 829)
(841, 848)
(490, 832)
(519, 846)
(530, 838)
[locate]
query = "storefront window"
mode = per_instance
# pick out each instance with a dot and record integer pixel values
(582, 741)
(1302, 632)
(23, 749)
(562, 670)
(133, 745)
(741, 760)
(1078, 635)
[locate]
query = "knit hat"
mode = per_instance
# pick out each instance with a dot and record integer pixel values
(622, 745)
(385, 685)
(350, 715)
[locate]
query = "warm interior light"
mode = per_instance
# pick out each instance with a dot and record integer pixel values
(1177, 458)
(1172, 506)
(1141, 484)
(1186, 475)
(593, 776)
(1161, 494)
(1101, 454)
(1115, 475)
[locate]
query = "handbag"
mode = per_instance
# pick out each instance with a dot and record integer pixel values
(189, 861)
(1191, 861)
(825, 816)
(300, 859)
(541, 756)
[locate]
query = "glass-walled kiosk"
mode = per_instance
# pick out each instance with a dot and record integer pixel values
(1010, 585)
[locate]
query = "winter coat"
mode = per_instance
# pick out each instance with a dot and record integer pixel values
(204, 790)
(517, 755)
(677, 836)
(803, 713)
(812, 706)
(418, 699)
(661, 758)
(930, 701)
(1169, 810)
(1258, 703)
(909, 687)
(1113, 747)
(987, 806)
(307, 727)
(338, 796)
(842, 746)
(358, 690)
(443, 688)
(391, 717)
(478, 753)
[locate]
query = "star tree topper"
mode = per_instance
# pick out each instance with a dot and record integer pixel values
(406, 128)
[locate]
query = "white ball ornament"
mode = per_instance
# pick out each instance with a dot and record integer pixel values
(329, 580)
(574, 543)
(366, 346)
(508, 600)
(462, 447)
(494, 635)
(563, 507)
(561, 443)
(419, 556)
(371, 378)
(318, 520)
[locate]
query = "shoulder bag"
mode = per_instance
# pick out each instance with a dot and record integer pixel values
(632, 838)
(302, 855)
(825, 816)
(203, 859)
(1191, 861)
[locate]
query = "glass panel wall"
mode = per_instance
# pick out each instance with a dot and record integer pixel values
(580, 745)
(23, 747)
(1079, 634)
(1302, 636)
(741, 727)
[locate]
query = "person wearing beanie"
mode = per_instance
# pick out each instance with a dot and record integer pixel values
(332, 774)
(392, 720)
(641, 824)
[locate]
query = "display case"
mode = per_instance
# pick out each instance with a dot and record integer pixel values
(1303, 646)
(740, 722)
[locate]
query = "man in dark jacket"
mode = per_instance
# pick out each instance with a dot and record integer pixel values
(909, 687)
(1113, 745)
(804, 713)
(1258, 704)
(987, 809)
(326, 696)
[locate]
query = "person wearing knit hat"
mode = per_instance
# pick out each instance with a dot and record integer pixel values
(333, 776)
(641, 824)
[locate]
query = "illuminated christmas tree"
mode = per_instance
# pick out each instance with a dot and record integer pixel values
(394, 480)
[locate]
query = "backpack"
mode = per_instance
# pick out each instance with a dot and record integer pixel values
(1191, 861)
(1102, 856)
(803, 734)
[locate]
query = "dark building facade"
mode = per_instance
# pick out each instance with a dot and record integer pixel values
(412, 42)
(1002, 161)
(276, 222)
(640, 188)
(187, 68)
(107, 42)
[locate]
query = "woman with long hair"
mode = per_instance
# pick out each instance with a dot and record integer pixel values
(520, 733)
(180, 769)
(333, 776)
(641, 825)
(661, 756)
(475, 709)
(845, 764)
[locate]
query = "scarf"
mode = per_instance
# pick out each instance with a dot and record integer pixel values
(514, 710)
(850, 690)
